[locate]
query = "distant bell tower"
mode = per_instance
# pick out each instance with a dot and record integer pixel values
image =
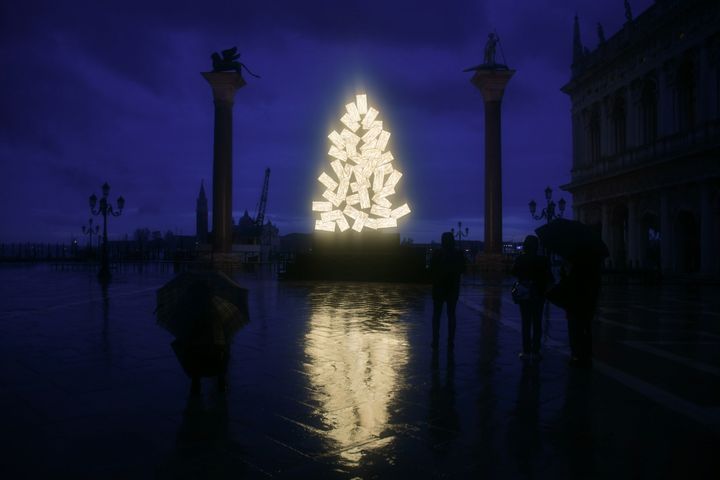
(201, 216)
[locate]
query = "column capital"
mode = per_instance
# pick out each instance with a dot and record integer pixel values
(224, 85)
(491, 83)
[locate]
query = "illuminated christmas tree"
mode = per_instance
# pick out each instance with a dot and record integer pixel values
(364, 176)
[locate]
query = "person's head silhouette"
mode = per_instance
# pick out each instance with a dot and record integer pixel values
(530, 245)
(447, 241)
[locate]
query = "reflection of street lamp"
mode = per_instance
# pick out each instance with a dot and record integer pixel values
(104, 209)
(460, 234)
(90, 231)
(548, 212)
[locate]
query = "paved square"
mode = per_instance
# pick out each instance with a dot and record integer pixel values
(338, 380)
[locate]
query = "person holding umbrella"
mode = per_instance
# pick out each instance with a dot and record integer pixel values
(203, 310)
(578, 290)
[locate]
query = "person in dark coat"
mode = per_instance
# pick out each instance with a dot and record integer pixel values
(446, 266)
(584, 278)
(534, 274)
(203, 351)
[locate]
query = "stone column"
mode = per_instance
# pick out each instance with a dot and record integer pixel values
(605, 128)
(633, 247)
(491, 83)
(632, 106)
(224, 85)
(578, 137)
(665, 109)
(703, 87)
(666, 254)
(607, 232)
(708, 248)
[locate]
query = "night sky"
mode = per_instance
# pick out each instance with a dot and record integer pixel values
(111, 91)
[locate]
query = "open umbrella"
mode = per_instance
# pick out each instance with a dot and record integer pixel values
(209, 297)
(573, 240)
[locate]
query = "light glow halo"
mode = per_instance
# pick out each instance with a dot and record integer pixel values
(364, 176)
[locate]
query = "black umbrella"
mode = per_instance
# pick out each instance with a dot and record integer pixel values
(210, 297)
(572, 240)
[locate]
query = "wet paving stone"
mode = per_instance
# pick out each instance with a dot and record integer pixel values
(338, 380)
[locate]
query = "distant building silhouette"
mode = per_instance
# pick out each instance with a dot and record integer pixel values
(201, 216)
(646, 134)
(244, 232)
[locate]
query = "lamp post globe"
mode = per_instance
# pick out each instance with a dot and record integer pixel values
(91, 230)
(548, 213)
(460, 234)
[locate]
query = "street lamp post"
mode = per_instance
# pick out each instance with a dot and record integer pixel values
(460, 234)
(105, 209)
(548, 213)
(90, 231)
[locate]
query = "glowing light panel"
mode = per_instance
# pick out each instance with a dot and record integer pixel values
(356, 197)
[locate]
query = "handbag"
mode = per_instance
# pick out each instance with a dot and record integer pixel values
(520, 292)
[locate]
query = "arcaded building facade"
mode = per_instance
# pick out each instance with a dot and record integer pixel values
(646, 137)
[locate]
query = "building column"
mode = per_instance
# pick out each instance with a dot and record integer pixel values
(633, 238)
(708, 248)
(667, 260)
(665, 102)
(577, 139)
(491, 83)
(606, 231)
(703, 87)
(605, 130)
(224, 86)
(634, 134)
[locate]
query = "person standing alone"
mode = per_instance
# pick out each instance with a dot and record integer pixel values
(446, 267)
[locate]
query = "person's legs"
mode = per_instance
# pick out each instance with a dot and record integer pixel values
(224, 353)
(525, 314)
(451, 305)
(573, 335)
(195, 386)
(537, 312)
(585, 341)
(221, 383)
(437, 311)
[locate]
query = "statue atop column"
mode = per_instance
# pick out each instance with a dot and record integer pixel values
(489, 61)
(228, 62)
(491, 78)
(628, 11)
(490, 47)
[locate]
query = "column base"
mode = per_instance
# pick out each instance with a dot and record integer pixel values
(493, 262)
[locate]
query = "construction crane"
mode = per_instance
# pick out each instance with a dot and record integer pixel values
(260, 217)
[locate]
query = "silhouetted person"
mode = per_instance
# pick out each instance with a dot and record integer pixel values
(534, 276)
(204, 350)
(446, 266)
(583, 278)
